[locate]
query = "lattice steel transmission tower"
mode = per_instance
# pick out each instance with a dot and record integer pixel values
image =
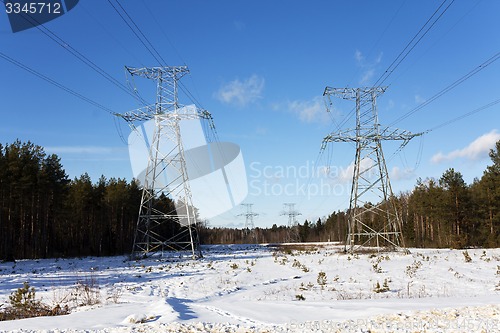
(249, 217)
(370, 177)
(293, 224)
(166, 172)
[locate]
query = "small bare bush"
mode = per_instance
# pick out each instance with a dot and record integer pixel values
(114, 295)
(321, 278)
(87, 291)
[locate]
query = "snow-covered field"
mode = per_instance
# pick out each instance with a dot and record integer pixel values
(256, 288)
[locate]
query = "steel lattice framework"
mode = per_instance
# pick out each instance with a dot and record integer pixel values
(370, 177)
(167, 114)
(249, 217)
(293, 225)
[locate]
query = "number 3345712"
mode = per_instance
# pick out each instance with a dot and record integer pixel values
(33, 8)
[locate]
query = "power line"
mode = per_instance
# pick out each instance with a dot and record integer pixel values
(55, 83)
(450, 87)
(402, 55)
(149, 46)
(405, 52)
(446, 123)
(117, 41)
(65, 45)
(383, 32)
(163, 32)
(440, 38)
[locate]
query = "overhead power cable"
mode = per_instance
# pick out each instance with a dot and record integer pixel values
(446, 123)
(412, 43)
(55, 83)
(450, 87)
(404, 53)
(144, 40)
(65, 45)
(153, 16)
(129, 21)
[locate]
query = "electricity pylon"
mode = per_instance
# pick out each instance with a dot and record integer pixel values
(370, 177)
(293, 225)
(166, 172)
(249, 216)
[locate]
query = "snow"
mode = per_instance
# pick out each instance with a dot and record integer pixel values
(256, 288)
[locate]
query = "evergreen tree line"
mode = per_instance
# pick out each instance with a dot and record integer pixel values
(444, 212)
(45, 214)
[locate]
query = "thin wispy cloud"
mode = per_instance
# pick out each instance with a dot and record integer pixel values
(359, 57)
(309, 111)
(241, 92)
(402, 174)
(239, 25)
(476, 150)
(419, 99)
(367, 76)
(368, 67)
(345, 175)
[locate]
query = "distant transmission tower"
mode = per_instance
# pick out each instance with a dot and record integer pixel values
(293, 225)
(153, 213)
(249, 216)
(370, 178)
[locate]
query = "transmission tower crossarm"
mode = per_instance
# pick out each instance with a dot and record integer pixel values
(353, 93)
(352, 135)
(155, 73)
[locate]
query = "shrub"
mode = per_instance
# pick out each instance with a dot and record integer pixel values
(467, 257)
(321, 278)
(383, 289)
(377, 268)
(87, 291)
(411, 271)
(23, 304)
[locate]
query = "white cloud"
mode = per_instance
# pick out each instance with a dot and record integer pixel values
(419, 99)
(309, 111)
(345, 175)
(367, 76)
(359, 57)
(401, 174)
(367, 67)
(241, 93)
(476, 150)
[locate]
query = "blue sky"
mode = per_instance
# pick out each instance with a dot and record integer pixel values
(260, 68)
